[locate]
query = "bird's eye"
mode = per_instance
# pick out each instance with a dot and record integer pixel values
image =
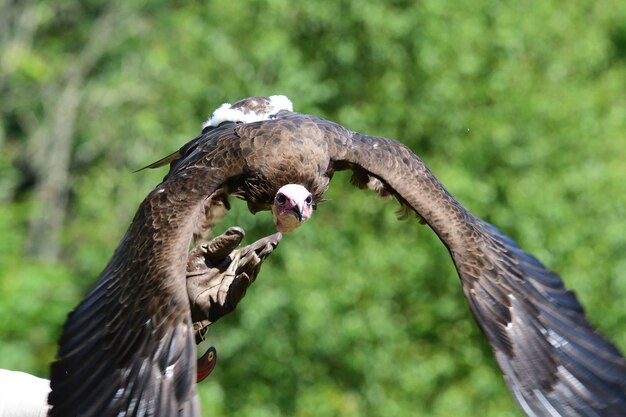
(281, 199)
(309, 199)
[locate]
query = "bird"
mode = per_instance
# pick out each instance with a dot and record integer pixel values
(553, 360)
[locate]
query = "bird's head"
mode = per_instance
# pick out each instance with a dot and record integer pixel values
(293, 205)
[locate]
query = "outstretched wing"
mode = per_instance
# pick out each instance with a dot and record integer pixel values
(553, 360)
(128, 347)
(120, 355)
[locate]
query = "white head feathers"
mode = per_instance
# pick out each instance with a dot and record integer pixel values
(249, 110)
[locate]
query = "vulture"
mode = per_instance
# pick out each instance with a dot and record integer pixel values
(554, 361)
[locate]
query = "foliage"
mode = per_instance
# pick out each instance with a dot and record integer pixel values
(517, 107)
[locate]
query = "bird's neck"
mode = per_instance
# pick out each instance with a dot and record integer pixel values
(284, 223)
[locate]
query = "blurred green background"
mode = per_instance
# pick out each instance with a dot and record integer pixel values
(519, 108)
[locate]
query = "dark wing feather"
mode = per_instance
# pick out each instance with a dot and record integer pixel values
(128, 347)
(186, 149)
(553, 360)
(163, 161)
(117, 357)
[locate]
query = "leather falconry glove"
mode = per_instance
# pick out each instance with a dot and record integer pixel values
(218, 275)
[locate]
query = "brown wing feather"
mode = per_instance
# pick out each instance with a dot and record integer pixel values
(184, 150)
(163, 161)
(117, 354)
(553, 360)
(128, 347)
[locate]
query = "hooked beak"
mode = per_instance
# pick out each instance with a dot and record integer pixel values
(297, 211)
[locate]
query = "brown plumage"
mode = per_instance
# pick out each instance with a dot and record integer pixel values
(553, 360)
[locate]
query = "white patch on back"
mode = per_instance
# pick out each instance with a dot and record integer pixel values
(227, 114)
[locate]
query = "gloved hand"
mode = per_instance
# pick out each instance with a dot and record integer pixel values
(218, 274)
